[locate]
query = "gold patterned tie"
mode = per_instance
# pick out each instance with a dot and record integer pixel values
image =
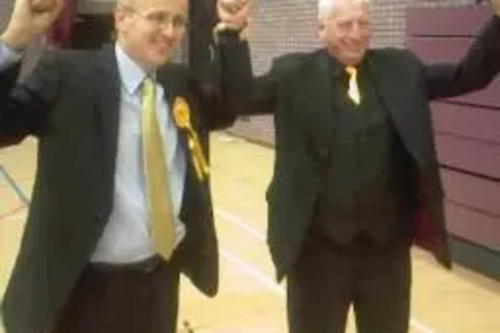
(160, 212)
(353, 91)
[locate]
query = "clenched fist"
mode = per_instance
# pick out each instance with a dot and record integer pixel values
(495, 4)
(232, 6)
(234, 13)
(30, 18)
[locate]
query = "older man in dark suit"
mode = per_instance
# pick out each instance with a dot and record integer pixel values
(121, 203)
(356, 179)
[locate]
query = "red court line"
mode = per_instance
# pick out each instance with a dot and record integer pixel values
(12, 212)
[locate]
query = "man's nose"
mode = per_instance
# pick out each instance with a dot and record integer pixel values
(168, 29)
(356, 31)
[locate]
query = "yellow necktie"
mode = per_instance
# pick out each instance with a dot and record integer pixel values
(160, 210)
(353, 91)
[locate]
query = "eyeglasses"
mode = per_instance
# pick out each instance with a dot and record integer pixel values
(161, 18)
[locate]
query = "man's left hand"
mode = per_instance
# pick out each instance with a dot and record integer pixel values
(234, 13)
(30, 18)
(495, 5)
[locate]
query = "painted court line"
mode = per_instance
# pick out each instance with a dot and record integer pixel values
(12, 213)
(240, 223)
(273, 286)
(249, 269)
(12, 183)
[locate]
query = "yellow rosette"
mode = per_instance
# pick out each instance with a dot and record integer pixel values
(182, 120)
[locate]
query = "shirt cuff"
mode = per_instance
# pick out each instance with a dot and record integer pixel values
(8, 56)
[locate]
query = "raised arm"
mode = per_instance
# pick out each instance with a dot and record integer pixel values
(244, 93)
(23, 107)
(475, 70)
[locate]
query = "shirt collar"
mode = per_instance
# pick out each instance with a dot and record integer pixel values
(338, 69)
(131, 74)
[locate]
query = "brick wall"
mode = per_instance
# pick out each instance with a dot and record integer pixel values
(281, 26)
(5, 9)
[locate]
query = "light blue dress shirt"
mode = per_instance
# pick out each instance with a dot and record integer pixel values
(126, 237)
(8, 57)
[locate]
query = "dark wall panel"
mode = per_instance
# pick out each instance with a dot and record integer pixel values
(474, 226)
(477, 193)
(476, 123)
(464, 21)
(467, 127)
(481, 158)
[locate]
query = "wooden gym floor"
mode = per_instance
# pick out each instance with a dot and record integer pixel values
(249, 299)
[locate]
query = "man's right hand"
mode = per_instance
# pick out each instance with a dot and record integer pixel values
(30, 18)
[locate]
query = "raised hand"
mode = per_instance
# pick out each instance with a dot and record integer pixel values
(30, 18)
(234, 13)
(495, 4)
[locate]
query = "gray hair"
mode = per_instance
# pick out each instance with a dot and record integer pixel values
(327, 7)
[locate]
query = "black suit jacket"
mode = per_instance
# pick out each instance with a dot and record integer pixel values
(297, 92)
(71, 103)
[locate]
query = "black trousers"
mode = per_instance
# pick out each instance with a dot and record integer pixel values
(328, 279)
(137, 298)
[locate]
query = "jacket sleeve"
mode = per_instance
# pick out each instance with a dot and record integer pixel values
(246, 93)
(8, 57)
(205, 81)
(24, 106)
(225, 81)
(474, 71)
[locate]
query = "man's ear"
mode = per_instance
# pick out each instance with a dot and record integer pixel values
(322, 30)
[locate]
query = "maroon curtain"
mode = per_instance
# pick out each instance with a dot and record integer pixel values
(60, 34)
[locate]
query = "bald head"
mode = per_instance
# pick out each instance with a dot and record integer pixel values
(128, 3)
(149, 30)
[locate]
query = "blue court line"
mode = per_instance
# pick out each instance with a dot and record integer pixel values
(20, 194)
(13, 185)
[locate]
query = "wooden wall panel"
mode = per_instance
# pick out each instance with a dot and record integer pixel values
(452, 49)
(477, 193)
(467, 128)
(480, 158)
(478, 123)
(488, 97)
(439, 49)
(446, 21)
(474, 226)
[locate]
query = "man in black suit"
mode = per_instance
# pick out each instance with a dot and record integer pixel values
(121, 203)
(356, 179)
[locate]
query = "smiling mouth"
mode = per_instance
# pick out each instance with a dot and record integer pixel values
(356, 49)
(164, 48)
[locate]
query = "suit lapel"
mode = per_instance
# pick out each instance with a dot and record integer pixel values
(173, 85)
(169, 80)
(108, 103)
(314, 96)
(397, 92)
(385, 86)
